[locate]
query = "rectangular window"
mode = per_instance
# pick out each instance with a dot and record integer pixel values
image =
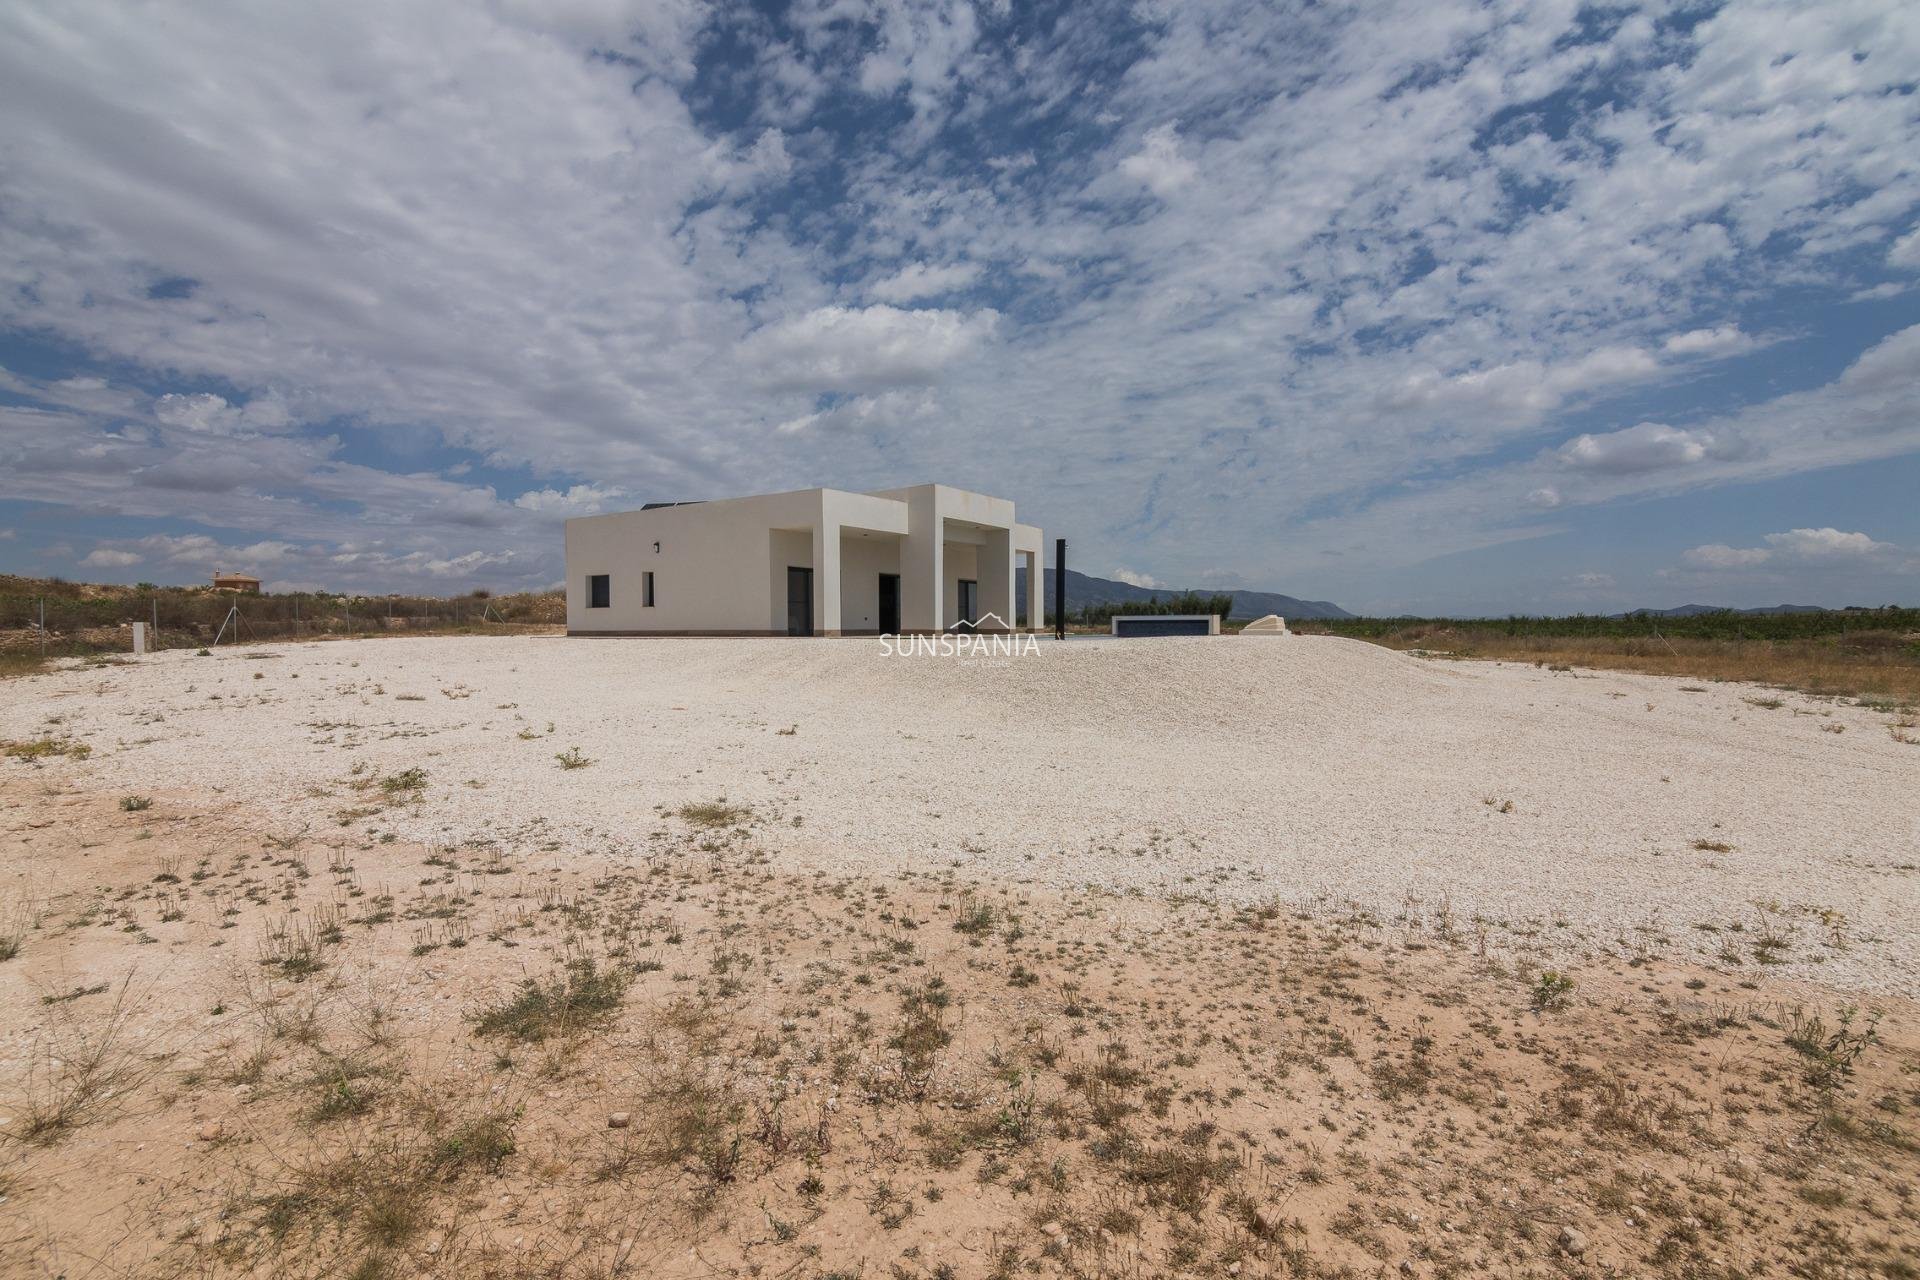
(646, 590)
(599, 590)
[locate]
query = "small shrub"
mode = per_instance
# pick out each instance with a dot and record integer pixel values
(1552, 991)
(974, 918)
(13, 931)
(483, 1143)
(922, 1035)
(406, 782)
(713, 814)
(42, 748)
(579, 995)
(341, 1093)
(572, 758)
(135, 804)
(1831, 1052)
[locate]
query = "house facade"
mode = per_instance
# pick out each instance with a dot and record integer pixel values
(819, 562)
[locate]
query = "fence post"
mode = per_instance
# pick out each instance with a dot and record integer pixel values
(43, 628)
(156, 622)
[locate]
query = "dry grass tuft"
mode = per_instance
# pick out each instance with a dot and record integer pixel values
(78, 1067)
(579, 995)
(713, 814)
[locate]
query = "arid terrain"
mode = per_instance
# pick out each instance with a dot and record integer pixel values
(511, 957)
(1602, 811)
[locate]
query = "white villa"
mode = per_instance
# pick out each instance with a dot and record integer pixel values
(815, 562)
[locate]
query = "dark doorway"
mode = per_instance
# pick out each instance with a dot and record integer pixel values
(889, 604)
(969, 605)
(799, 601)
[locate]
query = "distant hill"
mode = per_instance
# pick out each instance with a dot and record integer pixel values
(1694, 610)
(1083, 590)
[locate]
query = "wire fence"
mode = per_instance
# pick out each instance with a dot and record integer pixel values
(64, 627)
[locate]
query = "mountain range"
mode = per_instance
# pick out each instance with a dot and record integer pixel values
(1083, 590)
(1691, 610)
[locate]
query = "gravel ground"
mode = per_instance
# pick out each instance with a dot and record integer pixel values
(1564, 806)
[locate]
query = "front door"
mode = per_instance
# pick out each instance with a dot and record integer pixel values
(889, 604)
(969, 604)
(799, 601)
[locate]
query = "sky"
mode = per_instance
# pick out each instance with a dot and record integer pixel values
(1426, 307)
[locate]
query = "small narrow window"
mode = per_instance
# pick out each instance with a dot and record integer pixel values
(646, 589)
(599, 590)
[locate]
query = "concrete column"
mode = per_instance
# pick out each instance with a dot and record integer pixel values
(996, 580)
(1034, 574)
(923, 567)
(826, 578)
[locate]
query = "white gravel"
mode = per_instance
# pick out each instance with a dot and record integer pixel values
(1307, 767)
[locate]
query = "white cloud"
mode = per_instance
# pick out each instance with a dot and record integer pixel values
(1594, 581)
(1721, 340)
(1527, 389)
(1825, 544)
(578, 500)
(919, 280)
(888, 412)
(1879, 292)
(200, 412)
(466, 565)
(210, 414)
(1795, 546)
(107, 558)
(1159, 165)
(865, 349)
(1650, 446)
(188, 548)
(1545, 498)
(920, 49)
(1133, 579)
(1718, 555)
(1905, 252)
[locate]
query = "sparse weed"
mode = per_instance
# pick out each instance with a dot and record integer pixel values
(713, 814)
(1551, 991)
(578, 996)
(45, 748)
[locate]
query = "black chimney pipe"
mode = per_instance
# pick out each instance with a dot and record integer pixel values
(1059, 588)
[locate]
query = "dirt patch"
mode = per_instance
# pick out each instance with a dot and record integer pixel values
(236, 1048)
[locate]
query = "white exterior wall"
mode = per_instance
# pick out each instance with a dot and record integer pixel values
(722, 566)
(711, 554)
(961, 561)
(862, 561)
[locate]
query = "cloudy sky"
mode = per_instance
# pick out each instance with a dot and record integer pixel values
(1434, 306)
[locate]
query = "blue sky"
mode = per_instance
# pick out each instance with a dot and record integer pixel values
(1434, 307)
